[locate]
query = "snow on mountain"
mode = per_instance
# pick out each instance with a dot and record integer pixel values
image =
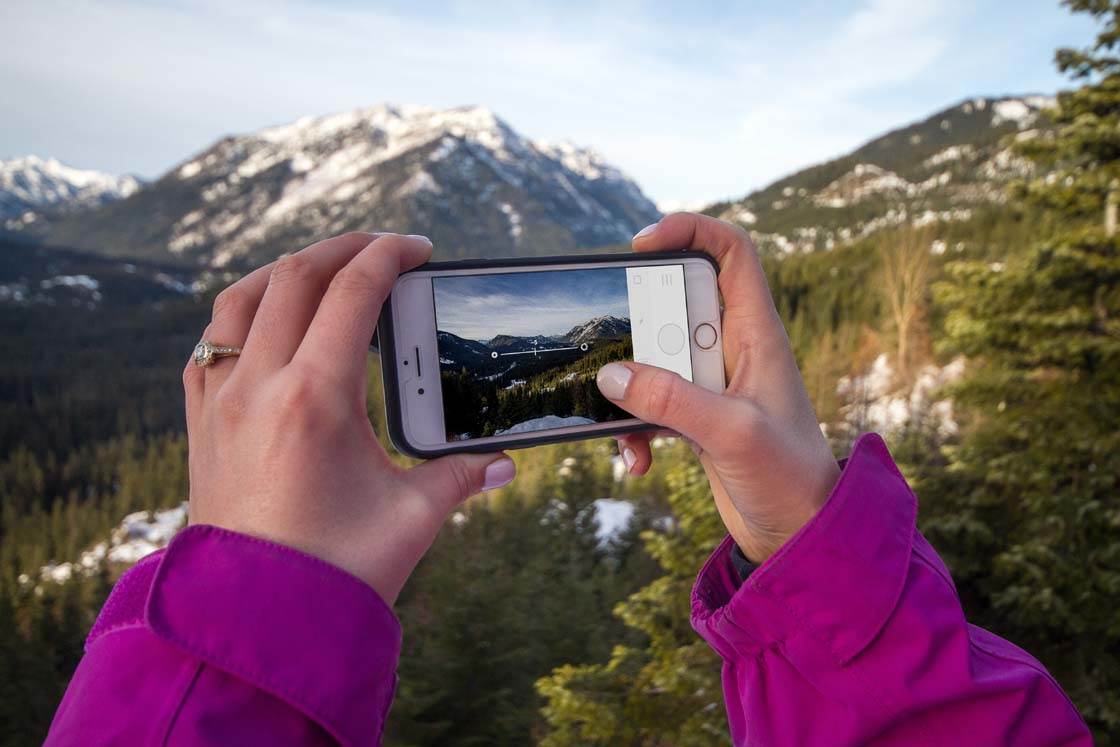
(599, 328)
(462, 176)
(944, 168)
(30, 186)
(138, 534)
(1023, 112)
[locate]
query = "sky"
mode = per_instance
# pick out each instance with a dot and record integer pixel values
(480, 307)
(697, 101)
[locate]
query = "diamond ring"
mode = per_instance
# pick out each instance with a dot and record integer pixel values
(206, 352)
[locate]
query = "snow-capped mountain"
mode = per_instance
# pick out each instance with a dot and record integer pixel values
(462, 176)
(599, 328)
(31, 187)
(945, 168)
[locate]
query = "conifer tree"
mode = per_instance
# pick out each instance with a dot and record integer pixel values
(663, 688)
(1027, 512)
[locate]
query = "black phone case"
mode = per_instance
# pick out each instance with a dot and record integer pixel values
(385, 342)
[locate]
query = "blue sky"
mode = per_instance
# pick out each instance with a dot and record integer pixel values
(697, 101)
(480, 307)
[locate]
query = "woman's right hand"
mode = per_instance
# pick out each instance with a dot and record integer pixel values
(770, 467)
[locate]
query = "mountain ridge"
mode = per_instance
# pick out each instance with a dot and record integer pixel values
(462, 176)
(946, 167)
(32, 189)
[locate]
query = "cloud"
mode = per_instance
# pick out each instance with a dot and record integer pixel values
(697, 103)
(479, 307)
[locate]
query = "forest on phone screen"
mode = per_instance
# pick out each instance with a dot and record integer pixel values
(518, 352)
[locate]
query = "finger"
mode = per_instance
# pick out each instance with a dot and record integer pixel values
(193, 389)
(343, 325)
(659, 396)
(749, 312)
(450, 480)
(231, 319)
(295, 287)
(635, 452)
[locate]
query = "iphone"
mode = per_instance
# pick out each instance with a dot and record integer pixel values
(497, 354)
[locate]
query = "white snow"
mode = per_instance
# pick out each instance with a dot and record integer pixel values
(583, 161)
(545, 422)
(875, 401)
(952, 153)
(1023, 112)
(138, 534)
(740, 215)
(421, 181)
(45, 182)
(612, 517)
(514, 218)
(85, 282)
(863, 181)
(333, 172)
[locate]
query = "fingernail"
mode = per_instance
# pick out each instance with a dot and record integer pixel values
(613, 379)
(499, 473)
(629, 458)
(419, 237)
(646, 231)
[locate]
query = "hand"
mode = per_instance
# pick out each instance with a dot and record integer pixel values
(769, 465)
(281, 446)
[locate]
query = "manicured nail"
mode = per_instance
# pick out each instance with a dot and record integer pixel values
(419, 237)
(646, 231)
(499, 473)
(613, 379)
(629, 458)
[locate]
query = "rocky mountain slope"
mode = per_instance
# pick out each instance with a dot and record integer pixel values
(461, 176)
(33, 188)
(599, 328)
(945, 168)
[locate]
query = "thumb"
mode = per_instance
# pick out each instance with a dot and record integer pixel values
(450, 480)
(662, 397)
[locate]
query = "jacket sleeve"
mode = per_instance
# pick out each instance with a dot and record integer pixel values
(852, 633)
(228, 639)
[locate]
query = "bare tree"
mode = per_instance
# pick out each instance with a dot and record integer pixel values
(907, 268)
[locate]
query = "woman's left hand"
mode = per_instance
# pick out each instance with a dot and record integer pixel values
(281, 446)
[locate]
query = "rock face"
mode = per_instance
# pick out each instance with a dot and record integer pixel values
(461, 176)
(33, 188)
(599, 328)
(949, 167)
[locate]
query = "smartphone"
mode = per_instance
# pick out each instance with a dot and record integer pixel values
(482, 355)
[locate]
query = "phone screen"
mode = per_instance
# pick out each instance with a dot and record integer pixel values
(519, 351)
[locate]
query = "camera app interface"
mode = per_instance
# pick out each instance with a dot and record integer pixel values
(518, 352)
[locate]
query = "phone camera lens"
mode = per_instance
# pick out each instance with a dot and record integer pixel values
(420, 391)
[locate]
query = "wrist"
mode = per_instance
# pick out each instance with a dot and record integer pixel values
(758, 542)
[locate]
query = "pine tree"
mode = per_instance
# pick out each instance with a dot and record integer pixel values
(1028, 511)
(663, 688)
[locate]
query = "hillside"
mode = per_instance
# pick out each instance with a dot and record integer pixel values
(948, 167)
(463, 177)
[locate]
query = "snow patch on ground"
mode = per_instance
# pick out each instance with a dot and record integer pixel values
(876, 402)
(612, 517)
(545, 422)
(139, 534)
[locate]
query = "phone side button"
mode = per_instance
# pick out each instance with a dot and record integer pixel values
(705, 336)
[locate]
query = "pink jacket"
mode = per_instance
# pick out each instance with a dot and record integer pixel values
(851, 634)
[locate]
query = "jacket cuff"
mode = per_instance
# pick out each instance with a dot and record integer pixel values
(838, 579)
(286, 622)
